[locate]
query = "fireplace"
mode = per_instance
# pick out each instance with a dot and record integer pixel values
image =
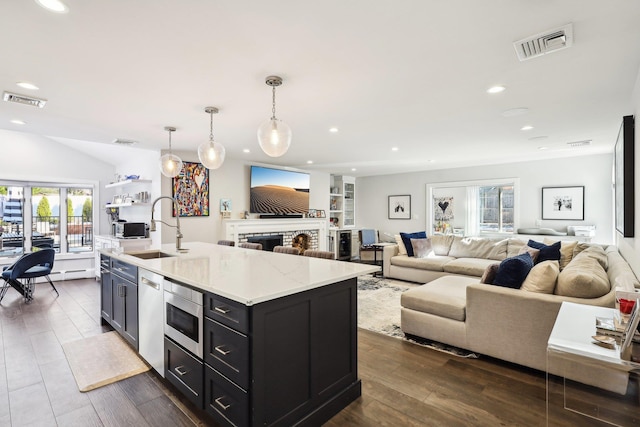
(267, 242)
(242, 230)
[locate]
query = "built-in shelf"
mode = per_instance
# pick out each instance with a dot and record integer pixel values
(123, 205)
(127, 182)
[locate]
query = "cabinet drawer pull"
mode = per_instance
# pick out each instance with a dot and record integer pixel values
(222, 405)
(151, 283)
(223, 310)
(180, 370)
(220, 350)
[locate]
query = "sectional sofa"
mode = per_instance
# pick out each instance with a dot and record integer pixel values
(511, 324)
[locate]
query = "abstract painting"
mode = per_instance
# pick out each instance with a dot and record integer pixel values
(191, 190)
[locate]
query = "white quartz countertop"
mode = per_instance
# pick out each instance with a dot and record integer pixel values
(245, 275)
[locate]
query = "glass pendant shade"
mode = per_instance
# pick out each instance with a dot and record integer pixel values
(170, 165)
(274, 137)
(211, 154)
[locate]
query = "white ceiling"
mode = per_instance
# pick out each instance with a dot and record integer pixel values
(411, 74)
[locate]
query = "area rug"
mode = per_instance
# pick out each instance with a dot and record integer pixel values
(379, 311)
(102, 359)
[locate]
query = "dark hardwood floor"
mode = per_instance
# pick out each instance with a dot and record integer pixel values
(403, 384)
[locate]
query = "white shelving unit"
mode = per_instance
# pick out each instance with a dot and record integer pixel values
(124, 184)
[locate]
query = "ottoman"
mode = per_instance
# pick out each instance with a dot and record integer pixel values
(437, 310)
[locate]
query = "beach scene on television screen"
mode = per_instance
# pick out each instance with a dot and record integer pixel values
(279, 191)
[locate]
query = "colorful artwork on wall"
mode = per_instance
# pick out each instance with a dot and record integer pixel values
(191, 190)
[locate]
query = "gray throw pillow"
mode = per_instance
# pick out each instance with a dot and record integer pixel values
(421, 248)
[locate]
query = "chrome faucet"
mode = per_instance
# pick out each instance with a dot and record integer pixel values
(179, 236)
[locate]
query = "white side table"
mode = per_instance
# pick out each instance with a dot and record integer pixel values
(571, 350)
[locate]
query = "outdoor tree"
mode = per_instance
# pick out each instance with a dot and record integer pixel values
(86, 210)
(69, 208)
(43, 210)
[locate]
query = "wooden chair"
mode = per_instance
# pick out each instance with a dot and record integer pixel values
(247, 245)
(286, 250)
(226, 242)
(319, 254)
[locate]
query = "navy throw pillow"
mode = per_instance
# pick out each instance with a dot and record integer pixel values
(547, 253)
(406, 239)
(512, 271)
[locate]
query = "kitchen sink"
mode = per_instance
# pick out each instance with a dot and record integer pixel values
(151, 254)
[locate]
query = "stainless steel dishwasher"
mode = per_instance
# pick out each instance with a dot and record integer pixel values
(151, 319)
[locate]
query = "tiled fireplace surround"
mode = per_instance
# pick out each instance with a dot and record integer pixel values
(239, 230)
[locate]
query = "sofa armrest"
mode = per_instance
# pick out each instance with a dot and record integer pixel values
(388, 251)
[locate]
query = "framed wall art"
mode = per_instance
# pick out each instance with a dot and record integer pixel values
(191, 190)
(400, 207)
(563, 203)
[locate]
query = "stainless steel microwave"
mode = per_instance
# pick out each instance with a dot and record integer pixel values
(130, 230)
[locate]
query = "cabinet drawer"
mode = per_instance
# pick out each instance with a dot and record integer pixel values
(227, 351)
(125, 270)
(225, 401)
(227, 312)
(184, 371)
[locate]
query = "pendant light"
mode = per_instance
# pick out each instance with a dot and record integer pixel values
(274, 136)
(170, 164)
(211, 154)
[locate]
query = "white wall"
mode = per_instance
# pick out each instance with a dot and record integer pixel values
(230, 181)
(630, 247)
(593, 172)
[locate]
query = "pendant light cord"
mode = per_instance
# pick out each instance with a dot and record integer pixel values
(273, 103)
(211, 128)
(170, 143)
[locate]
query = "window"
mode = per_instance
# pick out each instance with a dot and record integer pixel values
(34, 215)
(472, 208)
(495, 209)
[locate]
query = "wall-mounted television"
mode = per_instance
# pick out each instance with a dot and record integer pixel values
(624, 177)
(278, 191)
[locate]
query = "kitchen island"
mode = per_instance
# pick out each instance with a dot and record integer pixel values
(280, 333)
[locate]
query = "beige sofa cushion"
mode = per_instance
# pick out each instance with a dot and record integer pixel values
(441, 244)
(434, 263)
(479, 247)
(584, 277)
(401, 249)
(468, 266)
(542, 278)
(422, 248)
(514, 246)
(444, 297)
(566, 250)
(620, 274)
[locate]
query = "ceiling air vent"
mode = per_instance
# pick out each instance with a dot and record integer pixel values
(23, 99)
(543, 43)
(122, 141)
(579, 143)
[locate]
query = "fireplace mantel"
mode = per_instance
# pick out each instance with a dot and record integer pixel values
(234, 228)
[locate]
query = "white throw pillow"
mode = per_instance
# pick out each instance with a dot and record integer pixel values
(401, 249)
(542, 278)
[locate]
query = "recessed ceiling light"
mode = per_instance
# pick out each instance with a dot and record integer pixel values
(27, 85)
(309, 162)
(543, 148)
(394, 148)
(333, 130)
(18, 122)
(53, 5)
(527, 127)
(353, 169)
(246, 150)
(538, 138)
(124, 141)
(496, 89)
(515, 112)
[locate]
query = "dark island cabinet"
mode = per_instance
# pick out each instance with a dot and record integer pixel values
(124, 300)
(288, 361)
(106, 298)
